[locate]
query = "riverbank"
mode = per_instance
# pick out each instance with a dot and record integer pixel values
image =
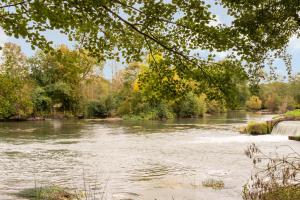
(60, 118)
(116, 118)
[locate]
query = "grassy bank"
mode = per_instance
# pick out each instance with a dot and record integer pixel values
(294, 113)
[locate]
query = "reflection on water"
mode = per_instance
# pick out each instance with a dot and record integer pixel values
(131, 160)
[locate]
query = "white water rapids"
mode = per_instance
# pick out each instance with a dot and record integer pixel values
(290, 128)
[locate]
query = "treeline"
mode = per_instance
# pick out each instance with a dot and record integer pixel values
(278, 97)
(53, 84)
(153, 89)
(69, 83)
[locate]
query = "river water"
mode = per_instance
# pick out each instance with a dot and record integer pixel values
(132, 160)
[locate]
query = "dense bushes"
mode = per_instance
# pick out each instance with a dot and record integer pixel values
(294, 113)
(256, 128)
(282, 193)
(191, 106)
(214, 107)
(96, 109)
(150, 112)
(104, 107)
(254, 103)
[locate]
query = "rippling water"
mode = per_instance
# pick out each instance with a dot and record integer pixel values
(153, 160)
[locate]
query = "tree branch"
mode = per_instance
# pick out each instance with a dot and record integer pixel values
(13, 5)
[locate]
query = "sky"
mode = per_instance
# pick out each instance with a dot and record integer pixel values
(221, 17)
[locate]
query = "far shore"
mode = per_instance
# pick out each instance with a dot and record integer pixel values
(60, 118)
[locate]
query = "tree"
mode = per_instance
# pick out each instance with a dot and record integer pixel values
(135, 29)
(295, 87)
(158, 80)
(254, 103)
(15, 87)
(268, 24)
(61, 75)
(227, 77)
(279, 96)
(14, 62)
(8, 96)
(191, 105)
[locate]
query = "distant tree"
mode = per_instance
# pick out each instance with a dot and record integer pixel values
(214, 107)
(15, 87)
(14, 62)
(191, 105)
(61, 75)
(295, 87)
(272, 102)
(287, 103)
(254, 103)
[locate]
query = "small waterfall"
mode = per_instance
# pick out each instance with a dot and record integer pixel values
(290, 128)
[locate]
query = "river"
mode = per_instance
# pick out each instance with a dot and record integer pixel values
(132, 160)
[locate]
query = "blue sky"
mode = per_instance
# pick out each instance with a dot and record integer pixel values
(222, 17)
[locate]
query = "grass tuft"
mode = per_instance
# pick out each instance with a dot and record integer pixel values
(294, 113)
(256, 128)
(48, 193)
(214, 184)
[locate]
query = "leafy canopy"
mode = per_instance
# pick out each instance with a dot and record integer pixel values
(177, 29)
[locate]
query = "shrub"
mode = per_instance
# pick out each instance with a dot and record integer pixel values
(274, 177)
(161, 111)
(130, 117)
(257, 128)
(254, 103)
(104, 107)
(288, 103)
(272, 102)
(294, 113)
(282, 193)
(111, 104)
(158, 112)
(40, 100)
(96, 109)
(214, 106)
(191, 106)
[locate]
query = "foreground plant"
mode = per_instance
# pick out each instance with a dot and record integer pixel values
(274, 177)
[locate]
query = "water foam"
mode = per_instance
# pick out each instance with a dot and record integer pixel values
(241, 139)
(290, 128)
